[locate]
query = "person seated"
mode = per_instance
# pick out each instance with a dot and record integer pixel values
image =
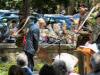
(47, 70)
(95, 63)
(60, 67)
(43, 31)
(67, 35)
(69, 60)
(22, 61)
(55, 34)
(13, 27)
(57, 29)
(44, 35)
(52, 36)
(15, 70)
(4, 30)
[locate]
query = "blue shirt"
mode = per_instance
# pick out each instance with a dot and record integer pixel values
(32, 39)
(27, 71)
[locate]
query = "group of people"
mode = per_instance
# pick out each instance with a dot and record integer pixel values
(88, 42)
(51, 33)
(40, 32)
(7, 28)
(58, 66)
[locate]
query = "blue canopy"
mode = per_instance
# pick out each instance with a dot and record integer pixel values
(13, 16)
(58, 18)
(76, 16)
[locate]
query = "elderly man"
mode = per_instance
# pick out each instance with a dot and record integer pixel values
(32, 39)
(31, 42)
(43, 30)
(22, 62)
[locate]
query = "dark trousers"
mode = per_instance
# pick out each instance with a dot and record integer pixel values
(30, 60)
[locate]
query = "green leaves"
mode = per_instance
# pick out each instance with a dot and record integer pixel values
(4, 67)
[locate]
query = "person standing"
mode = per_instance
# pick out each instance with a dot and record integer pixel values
(88, 40)
(83, 13)
(31, 42)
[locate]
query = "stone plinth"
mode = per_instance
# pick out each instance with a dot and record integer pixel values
(10, 50)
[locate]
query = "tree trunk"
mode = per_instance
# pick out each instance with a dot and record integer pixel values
(24, 12)
(26, 7)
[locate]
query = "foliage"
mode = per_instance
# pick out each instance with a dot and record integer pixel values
(43, 6)
(38, 66)
(3, 73)
(9, 4)
(4, 67)
(92, 19)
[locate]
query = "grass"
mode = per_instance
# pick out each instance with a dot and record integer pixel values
(3, 73)
(4, 67)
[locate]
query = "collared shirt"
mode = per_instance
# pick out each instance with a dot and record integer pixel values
(32, 39)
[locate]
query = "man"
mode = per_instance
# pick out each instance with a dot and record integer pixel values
(82, 36)
(4, 30)
(43, 31)
(83, 13)
(86, 27)
(22, 62)
(31, 43)
(83, 10)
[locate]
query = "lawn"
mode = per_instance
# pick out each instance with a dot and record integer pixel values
(4, 67)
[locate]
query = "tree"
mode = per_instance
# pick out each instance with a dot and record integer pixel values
(2, 4)
(43, 6)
